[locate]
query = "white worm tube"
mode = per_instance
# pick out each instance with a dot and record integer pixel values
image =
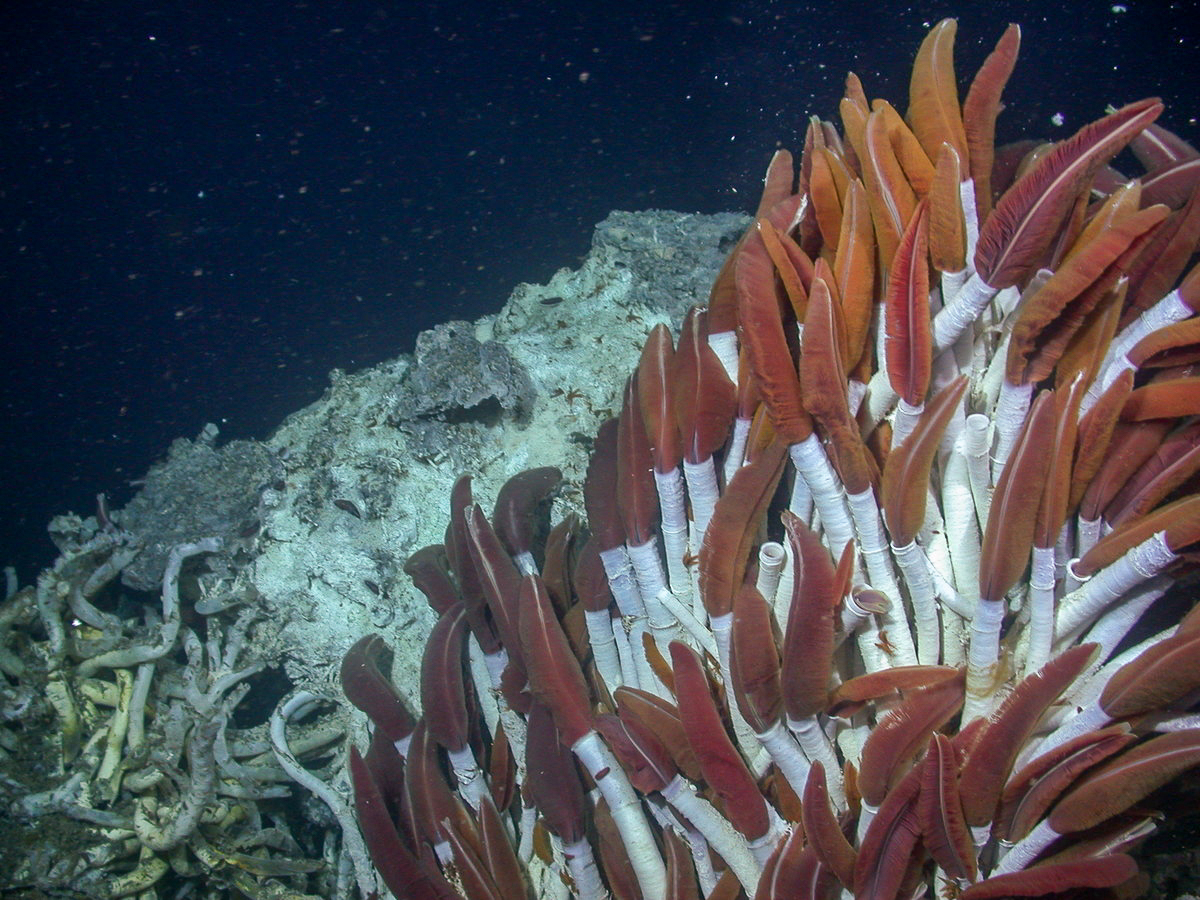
(1168, 722)
(783, 592)
(905, 420)
(961, 311)
(1087, 532)
(985, 390)
(716, 829)
(1084, 694)
(1026, 850)
(701, 637)
(467, 772)
(546, 879)
(813, 465)
(724, 344)
(880, 400)
(787, 755)
(858, 619)
(771, 560)
(1167, 311)
(1011, 410)
(621, 581)
(1041, 609)
(722, 632)
(1079, 608)
(674, 528)
(702, 489)
(801, 501)
(737, 448)
(966, 195)
(856, 392)
(486, 672)
(1110, 629)
(1090, 718)
(851, 739)
(871, 542)
(962, 529)
(626, 810)
(975, 435)
(1008, 299)
(952, 282)
(604, 647)
(817, 747)
(630, 674)
(1086, 689)
(915, 567)
(525, 563)
(706, 875)
(352, 837)
(866, 815)
(581, 863)
(982, 658)
(648, 679)
(937, 553)
(652, 585)
(625, 582)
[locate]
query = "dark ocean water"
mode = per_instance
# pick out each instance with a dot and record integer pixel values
(204, 207)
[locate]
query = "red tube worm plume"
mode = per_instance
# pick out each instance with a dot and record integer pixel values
(1033, 789)
(563, 545)
(1027, 218)
(656, 398)
(636, 497)
(404, 873)
(980, 109)
(554, 672)
(462, 565)
(497, 584)
(661, 718)
(1013, 515)
(734, 528)
(430, 573)
(824, 831)
(754, 660)
(705, 403)
(744, 695)
(908, 467)
(723, 298)
(554, 783)
(516, 505)
(719, 761)
(367, 686)
(766, 340)
(808, 643)
(909, 344)
(947, 225)
(823, 371)
(386, 766)
(989, 761)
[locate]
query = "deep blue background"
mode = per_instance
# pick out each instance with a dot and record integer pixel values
(206, 206)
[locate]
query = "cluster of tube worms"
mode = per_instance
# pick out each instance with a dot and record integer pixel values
(856, 607)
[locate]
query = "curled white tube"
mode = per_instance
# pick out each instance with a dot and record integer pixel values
(771, 560)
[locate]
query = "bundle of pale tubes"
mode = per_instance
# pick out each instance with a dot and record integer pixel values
(873, 594)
